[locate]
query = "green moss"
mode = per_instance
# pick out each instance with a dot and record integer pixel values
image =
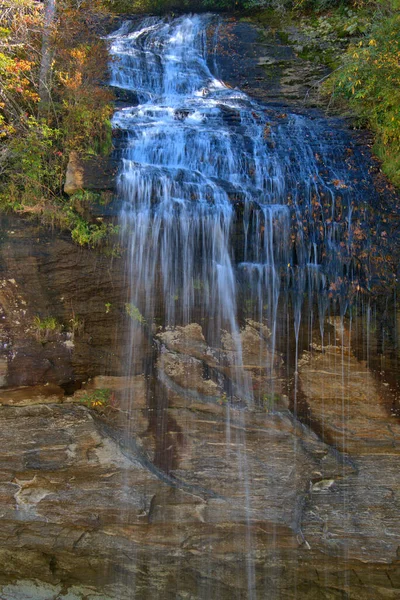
(284, 37)
(328, 57)
(134, 313)
(270, 401)
(268, 17)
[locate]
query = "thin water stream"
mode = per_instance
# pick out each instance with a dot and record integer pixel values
(244, 224)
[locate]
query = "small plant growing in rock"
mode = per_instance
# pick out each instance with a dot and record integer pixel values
(269, 401)
(76, 325)
(97, 398)
(44, 327)
(223, 399)
(134, 313)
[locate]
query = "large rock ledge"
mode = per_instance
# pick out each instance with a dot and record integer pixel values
(262, 63)
(91, 513)
(93, 173)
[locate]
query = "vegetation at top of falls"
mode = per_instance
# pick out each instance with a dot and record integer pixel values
(162, 6)
(246, 6)
(39, 129)
(369, 79)
(366, 76)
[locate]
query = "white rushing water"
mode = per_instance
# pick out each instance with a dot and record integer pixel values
(197, 158)
(191, 145)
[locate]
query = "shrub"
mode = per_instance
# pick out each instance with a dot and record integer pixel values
(38, 136)
(35, 168)
(370, 81)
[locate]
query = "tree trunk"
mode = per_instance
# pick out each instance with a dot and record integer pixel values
(45, 63)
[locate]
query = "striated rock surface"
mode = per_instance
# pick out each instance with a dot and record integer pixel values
(261, 62)
(350, 404)
(93, 511)
(197, 483)
(44, 275)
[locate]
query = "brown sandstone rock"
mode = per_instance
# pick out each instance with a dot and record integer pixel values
(46, 275)
(96, 174)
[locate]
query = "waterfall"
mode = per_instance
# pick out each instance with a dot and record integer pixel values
(236, 217)
(201, 161)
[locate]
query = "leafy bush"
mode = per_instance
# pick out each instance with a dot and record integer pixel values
(37, 136)
(92, 235)
(34, 165)
(370, 81)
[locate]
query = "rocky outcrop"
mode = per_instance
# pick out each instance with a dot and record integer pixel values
(199, 481)
(249, 492)
(63, 316)
(260, 61)
(93, 173)
(350, 405)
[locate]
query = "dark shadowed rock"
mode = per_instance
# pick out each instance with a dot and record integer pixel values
(96, 174)
(261, 62)
(45, 275)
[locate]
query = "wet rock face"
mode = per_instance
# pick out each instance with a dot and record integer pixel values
(104, 512)
(261, 62)
(189, 365)
(349, 403)
(62, 308)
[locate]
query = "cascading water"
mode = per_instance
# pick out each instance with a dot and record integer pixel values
(238, 218)
(198, 157)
